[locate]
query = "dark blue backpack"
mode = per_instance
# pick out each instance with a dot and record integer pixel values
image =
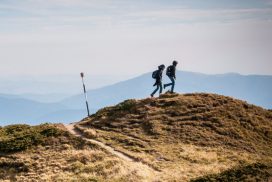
(155, 74)
(169, 71)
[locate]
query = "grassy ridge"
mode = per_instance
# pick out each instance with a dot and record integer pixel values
(197, 134)
(198, 137)
(201, 119)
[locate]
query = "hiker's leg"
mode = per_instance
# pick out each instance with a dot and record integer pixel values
(153, 93)
(160, 86)
(168, 84)
(173, 84)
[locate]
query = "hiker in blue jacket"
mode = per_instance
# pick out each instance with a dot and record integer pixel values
(171, 73)
(158, 76)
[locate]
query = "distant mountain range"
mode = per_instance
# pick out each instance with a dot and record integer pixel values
(255, 89)
(53, 87)
(15, 109)
(19, 110)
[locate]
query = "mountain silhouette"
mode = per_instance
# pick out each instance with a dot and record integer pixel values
(255, 89)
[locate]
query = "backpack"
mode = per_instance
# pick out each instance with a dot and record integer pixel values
(169, 71)
(155, 74)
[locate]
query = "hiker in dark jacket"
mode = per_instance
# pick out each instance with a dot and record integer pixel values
(158, 76)
(171, 73)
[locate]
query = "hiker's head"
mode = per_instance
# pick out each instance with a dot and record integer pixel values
(161, 67)
(175, 63)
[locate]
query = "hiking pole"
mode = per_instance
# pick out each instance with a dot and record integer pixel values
(84, 88)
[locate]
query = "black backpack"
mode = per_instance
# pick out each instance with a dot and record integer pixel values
(155, 74)
(169, 71)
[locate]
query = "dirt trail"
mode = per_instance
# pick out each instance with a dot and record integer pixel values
(125, 157)
(72, 130)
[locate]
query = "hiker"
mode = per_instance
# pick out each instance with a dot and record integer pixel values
(158, 76)
(171, 73)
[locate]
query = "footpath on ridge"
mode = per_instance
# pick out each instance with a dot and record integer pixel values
(71, 128)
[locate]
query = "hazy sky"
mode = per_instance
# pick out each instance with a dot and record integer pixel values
(126, 37)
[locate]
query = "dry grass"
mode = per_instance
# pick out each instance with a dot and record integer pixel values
(67, 161)
(185, 136)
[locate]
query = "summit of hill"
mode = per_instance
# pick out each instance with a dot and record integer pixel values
(185, 135)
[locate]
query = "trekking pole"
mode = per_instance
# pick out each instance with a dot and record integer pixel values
(84, 88)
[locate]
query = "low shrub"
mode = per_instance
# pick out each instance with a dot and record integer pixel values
(127, 105)
(17, 166)
(251, 172)
(15, 138)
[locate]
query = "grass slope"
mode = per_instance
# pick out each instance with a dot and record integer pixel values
(190, 137)
(50, 153)
(186, 136)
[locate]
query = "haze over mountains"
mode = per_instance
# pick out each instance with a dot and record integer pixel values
(255, 89)
(52, 88)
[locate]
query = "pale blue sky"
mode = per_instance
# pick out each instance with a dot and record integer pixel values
(41, 37)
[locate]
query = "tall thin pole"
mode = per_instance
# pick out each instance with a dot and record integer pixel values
(84, 88)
